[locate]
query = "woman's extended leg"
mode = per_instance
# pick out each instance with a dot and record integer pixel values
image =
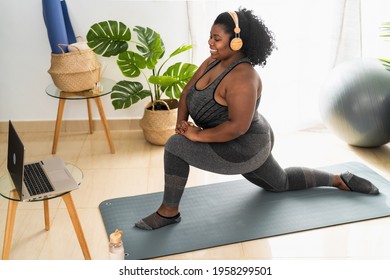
(272, 177)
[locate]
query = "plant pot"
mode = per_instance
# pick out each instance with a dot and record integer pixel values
(159, 124)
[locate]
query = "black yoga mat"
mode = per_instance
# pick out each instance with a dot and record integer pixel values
(237, 211)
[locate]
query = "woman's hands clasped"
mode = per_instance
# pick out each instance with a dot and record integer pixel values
(188, 129)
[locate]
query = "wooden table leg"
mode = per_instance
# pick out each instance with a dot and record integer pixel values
(105, 124)
(9, 228)
(76, 224)
(90, 116)
(47, 214)
(60, 112)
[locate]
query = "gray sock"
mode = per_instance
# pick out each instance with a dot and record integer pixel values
(155, 221)
(358, 184)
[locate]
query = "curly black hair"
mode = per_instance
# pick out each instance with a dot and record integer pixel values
(258, 40)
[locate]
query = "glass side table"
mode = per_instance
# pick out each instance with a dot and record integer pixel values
(8, 191)
(95, 94)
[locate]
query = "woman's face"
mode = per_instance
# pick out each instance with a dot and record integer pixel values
(219, 43)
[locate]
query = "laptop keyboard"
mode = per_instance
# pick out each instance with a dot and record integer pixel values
(35, 179)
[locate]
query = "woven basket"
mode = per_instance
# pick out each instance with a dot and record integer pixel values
(75, 71)
(159, 125)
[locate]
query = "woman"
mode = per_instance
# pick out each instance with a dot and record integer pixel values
(229, 135)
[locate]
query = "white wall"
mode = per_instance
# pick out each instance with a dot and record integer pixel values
(25, 51)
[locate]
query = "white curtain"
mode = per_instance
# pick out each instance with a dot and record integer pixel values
(312, 37)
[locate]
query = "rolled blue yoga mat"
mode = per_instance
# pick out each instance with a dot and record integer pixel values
(58, 25)
(68, 25)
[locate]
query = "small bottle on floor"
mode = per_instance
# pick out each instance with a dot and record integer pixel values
(116, 248)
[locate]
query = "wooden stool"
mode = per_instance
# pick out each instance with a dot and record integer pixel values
(87, 95)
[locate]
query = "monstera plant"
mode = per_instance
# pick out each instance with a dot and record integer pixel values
(144, 65)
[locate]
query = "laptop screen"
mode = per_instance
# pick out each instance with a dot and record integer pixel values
(15, 160)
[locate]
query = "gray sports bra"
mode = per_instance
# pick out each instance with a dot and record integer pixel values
(202, 106)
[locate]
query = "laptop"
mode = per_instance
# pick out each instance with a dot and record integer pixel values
(36, 180)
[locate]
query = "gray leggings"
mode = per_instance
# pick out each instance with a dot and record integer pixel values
(264, 171)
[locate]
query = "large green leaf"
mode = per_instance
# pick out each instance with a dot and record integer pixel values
(174, 79)
(130, 63)
(152, 46)
(108, 38)
(126, 93)
(181, 49)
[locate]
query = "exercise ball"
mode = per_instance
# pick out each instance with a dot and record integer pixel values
(355, 102)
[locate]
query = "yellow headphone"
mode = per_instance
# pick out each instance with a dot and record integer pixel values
(236, 43)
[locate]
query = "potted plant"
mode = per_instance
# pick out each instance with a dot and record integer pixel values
(146, 59)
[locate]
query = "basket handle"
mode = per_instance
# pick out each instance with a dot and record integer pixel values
(67, 45)
(160, 101)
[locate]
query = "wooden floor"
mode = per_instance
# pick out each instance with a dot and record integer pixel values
(137, 168)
